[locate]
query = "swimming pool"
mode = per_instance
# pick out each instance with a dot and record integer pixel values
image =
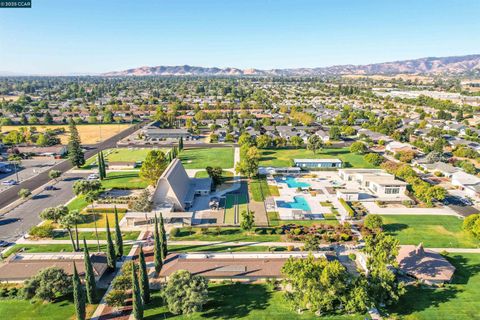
(298, 203)
(292, 182)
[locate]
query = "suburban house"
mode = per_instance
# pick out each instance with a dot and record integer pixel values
(177, 190)
(234, 266)
(51, 151)
(318, 163)
(22, 266)
(323, 135)
(376, 181)
(467, 182)
(154, 132)
(396, 147)
(447, 170)
(425, 265)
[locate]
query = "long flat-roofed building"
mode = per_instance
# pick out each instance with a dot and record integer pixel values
(176, 188)
(318, 163)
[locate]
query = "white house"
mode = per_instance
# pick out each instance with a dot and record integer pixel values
(376, 181)
(467, 182)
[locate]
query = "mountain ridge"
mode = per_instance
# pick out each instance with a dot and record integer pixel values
(430, 65)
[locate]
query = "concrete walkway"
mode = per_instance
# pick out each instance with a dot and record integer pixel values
(373, 208)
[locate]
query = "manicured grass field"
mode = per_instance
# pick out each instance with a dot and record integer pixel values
(259, 189)
(284, 157)
(238, 301)
(36, 248)
(274, 220)
(432, 231)
(202, 158)
(122, 155)
(225, 234)
(90, 235)
(124, 180)
(229, 217)
(62, 309)
(89, 133)
(101, 219)
(78, 203)
(459, 300)
(226, 175)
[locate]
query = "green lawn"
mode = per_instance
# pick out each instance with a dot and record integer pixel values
(90, 235)
(459, 300)
(274, 220)
(208, 248)
(259, 189)
(433, 231)
(229, 216)
(101, 220)
(36, 248)
(62, 309)
(284, 157)
(203, 174)
(226, 234)
(121, 155)
(202, 158)
(124, 180)
(238, 301)
(78, 203)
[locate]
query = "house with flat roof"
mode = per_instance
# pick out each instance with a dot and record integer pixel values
(467, 182)
(22, 266)
(279, 170)
(376, 181)
(425, 265)
(176, 189)
(153, 131)
(318, 163)
(235, 266)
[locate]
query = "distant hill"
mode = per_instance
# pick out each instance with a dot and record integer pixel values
(428, 66)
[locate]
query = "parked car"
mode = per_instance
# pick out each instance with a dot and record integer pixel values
(50, 188)
(93, 176)
(10, 182)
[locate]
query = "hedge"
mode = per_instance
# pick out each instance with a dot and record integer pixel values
(350, 211)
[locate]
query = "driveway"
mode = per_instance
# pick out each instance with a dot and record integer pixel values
(18, 221)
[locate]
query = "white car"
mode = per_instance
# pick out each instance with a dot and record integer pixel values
(9, 182)
(93, 176)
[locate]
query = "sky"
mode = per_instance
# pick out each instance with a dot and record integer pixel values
(95, 36)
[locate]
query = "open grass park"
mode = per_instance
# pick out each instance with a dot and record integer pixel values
(284, 157)
(204, 157)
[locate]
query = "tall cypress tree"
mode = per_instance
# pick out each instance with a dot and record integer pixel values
(136, 296)
(144, 284)
(104, 169)
(163, 235)
(75, 153)
(180, 144)
(118, 236)
(157, 249)
(90, 284)
(78, 295)
(100, 170)
(111, 258)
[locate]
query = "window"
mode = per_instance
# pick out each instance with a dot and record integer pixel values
(392, 190)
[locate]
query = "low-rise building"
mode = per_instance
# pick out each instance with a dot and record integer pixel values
(376, 181)
(467, 182)
(154, 132)
(318, 163)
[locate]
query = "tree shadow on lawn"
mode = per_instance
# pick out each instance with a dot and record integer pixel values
(394, 228)
(122, 176)
(420, 298)
(463, 269)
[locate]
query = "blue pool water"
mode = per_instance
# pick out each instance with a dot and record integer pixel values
(292, 182)
(298, 203)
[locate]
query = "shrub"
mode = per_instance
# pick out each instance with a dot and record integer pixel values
(349, 209)
(203, 230)
(42, 231)
(260, 231)
(290, 248)
(279, 230)
(175, 232)
(352, 256)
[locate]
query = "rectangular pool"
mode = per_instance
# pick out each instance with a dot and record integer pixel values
(298, 203)
(292, 182)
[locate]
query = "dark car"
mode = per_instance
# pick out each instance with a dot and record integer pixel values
(50, 188)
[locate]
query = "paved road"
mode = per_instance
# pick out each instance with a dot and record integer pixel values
(11, 194)
(18, 221)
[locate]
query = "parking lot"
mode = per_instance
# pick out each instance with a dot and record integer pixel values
(28, 169)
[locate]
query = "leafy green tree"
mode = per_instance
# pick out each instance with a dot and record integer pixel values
(185, 293)
(335, 133)
(153, 166)
(111, 257)
(42, 140)
(118, 236)
(54, 174)
(75, 152)
(358, 147)
(142, 203)
(263, 141)
(54, 213)
(90, 284)
(314, 143)
(248, 220)
(249, 163)
(374, 158)
(471, 224)
(78, 295)
(48, 284)
(24, 193)
(180, 144)
(86, 186)
(373, 222)
(215, 174)
(144, 283)
(157, 248)
(70, 221)
(296, 141)
(136, 296)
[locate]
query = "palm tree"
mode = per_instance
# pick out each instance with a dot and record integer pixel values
(69, 221)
